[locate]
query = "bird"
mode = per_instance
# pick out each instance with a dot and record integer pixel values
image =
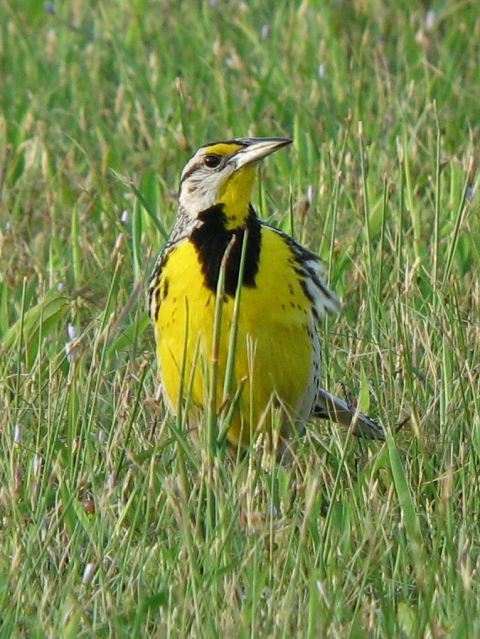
(281, 291)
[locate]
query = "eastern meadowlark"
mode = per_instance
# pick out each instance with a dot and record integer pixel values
(283, 294)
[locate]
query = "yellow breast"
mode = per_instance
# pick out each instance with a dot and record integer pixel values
(274, 354)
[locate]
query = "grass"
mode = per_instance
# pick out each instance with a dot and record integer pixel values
(105, 529)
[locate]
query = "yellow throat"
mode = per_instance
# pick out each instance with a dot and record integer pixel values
(236, 195)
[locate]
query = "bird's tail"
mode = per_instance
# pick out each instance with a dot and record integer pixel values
(331, 407)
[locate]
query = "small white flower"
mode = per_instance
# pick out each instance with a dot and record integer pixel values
(17, 434)
(72, 331)
(37, 465)
(310, 193)
(430, 20)
(88, 573)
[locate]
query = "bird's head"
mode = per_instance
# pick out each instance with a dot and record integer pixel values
(223, 173)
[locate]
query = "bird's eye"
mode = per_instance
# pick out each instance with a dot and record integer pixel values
(211, 161)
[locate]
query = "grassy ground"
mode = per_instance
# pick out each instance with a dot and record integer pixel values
(102, 102)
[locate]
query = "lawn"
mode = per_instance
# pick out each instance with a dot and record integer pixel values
(112, 523)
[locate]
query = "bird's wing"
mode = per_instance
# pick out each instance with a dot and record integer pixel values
(153, 298)
(311, 272)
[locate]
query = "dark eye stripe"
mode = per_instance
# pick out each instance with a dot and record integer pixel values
(194, 168)
(201, 163)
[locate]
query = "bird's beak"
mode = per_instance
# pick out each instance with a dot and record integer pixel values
(256, 149)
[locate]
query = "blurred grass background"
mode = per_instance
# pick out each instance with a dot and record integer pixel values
(100, 106)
